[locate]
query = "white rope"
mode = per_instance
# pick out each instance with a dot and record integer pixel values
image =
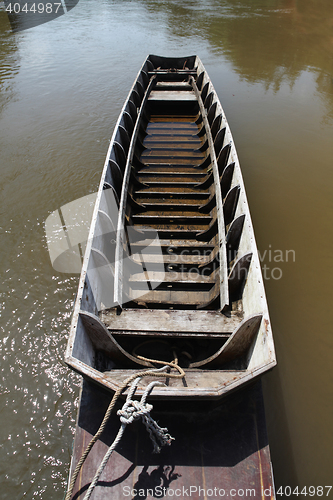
(131, 411)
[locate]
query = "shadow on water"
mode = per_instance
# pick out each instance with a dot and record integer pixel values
(31, 14)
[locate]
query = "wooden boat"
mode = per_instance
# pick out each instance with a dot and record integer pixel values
(171, 268)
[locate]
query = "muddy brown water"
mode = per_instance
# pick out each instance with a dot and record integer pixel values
(62, 87)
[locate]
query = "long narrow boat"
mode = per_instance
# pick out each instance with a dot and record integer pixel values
(171, 268)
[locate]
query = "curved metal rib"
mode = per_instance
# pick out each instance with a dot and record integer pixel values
(238, 275)
(236, 346)
(102, 340)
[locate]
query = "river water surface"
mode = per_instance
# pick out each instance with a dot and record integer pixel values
(62, 87)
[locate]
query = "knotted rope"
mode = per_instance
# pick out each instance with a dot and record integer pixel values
(133, 410)
(151, 423)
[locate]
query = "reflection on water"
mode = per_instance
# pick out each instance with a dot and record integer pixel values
(269, 42)
(62, 86)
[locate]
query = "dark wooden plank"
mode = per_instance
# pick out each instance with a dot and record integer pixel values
(219, 445)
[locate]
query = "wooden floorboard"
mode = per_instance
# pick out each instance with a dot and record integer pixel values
(195, 322)
(220, 445)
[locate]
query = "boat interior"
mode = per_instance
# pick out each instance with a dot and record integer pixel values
(171, 267)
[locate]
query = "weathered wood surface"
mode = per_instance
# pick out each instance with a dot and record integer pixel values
(222, 446)
(169, 321)
(172, 95)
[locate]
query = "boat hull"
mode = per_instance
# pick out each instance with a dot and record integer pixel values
(171, 268)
